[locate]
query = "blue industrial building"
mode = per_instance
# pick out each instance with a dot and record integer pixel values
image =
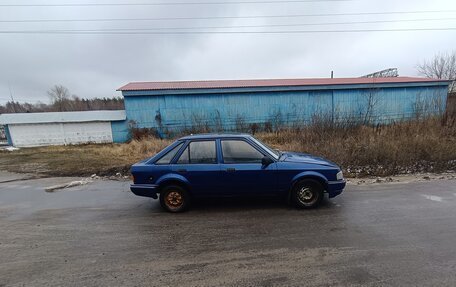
(224, 105)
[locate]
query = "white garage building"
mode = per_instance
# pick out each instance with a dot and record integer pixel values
(60, 128)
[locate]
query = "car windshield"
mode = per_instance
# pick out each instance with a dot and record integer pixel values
(274, 153)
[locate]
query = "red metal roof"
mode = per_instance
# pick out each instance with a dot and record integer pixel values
(219, 84)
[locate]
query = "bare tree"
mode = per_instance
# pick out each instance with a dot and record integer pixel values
(367, 106)
(442, 66)
(372, 101)
(59, 96)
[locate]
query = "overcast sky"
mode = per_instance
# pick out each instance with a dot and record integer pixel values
(96, 65)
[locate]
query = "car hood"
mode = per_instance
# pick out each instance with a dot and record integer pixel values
(305, 158)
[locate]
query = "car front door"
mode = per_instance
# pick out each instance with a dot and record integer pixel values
(242, 170)
(198, 163)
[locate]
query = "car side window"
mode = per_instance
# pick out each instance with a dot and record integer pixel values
(238, 151)
(198, 152)
(166, 159)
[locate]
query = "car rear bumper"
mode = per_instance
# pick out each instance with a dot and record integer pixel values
(336, 187)
(147, 190)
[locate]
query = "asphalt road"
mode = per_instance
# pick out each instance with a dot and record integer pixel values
(102, 235)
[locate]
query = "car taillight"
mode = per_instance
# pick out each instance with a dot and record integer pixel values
(132, 177)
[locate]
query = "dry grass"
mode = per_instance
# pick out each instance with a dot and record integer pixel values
(417, 146)
(80, 160)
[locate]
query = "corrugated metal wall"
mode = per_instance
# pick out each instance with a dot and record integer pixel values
(227, 110)
(120, 131)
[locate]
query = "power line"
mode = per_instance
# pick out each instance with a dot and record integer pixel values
(170, 3)
(227, 17)
(255, 26)
(95, 32)
(258, 26)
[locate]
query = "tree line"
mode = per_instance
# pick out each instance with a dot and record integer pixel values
(62, 101)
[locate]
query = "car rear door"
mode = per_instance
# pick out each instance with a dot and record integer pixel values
(198, 163)
(242, 172)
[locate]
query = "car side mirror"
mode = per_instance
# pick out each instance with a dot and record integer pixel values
(265, 161)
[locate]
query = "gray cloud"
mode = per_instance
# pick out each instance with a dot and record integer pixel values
(95, 65)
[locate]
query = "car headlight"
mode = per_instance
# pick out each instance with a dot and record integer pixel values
(339, 175)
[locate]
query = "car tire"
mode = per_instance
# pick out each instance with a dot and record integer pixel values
(174, 198)
(307, 193)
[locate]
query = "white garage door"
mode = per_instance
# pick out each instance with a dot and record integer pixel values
(27, 135)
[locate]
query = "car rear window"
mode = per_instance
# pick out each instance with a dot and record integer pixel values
(198, 152)
(166, 159)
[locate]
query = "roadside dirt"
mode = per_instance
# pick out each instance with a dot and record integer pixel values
(406, 178)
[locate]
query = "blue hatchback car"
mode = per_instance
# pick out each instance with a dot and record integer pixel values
(227, 165)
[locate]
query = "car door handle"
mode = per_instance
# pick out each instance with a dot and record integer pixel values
(231, 169)
(182, 170)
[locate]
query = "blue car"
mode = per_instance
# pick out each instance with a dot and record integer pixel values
(230, 165)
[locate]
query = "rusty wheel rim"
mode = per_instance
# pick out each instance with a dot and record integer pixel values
(174, 200)
(307, 196)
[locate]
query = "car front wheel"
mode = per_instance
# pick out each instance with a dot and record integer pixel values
(307, 193)
(174, 198)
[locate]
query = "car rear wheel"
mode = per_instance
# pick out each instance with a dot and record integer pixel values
(174, 198)
(307, 193)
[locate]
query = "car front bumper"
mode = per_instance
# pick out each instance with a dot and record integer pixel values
(147, 190)
(336, 187)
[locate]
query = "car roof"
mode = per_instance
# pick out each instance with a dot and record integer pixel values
(215, 136)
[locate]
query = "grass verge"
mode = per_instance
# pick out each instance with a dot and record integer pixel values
(80, 160)
(407, 147)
